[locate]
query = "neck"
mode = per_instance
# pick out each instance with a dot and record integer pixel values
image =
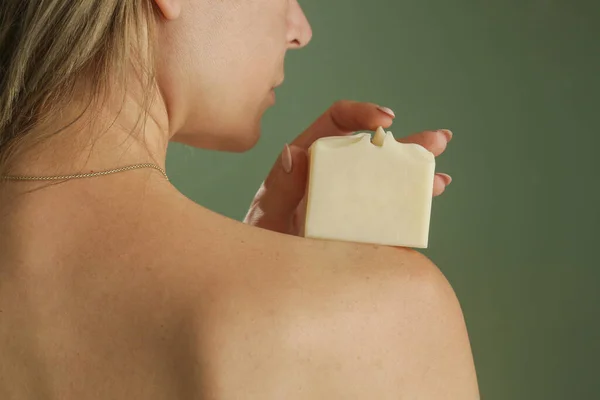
(116, 134)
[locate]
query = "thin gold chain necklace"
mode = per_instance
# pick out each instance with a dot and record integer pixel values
(86, 175)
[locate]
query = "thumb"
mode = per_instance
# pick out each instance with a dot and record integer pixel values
(284, 188)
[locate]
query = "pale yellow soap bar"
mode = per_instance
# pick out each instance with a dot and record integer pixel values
(369, 190)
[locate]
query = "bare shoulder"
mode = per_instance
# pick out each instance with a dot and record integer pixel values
(202, 306)
(400, 319)
(323, 319)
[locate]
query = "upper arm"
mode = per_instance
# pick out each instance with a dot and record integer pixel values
(426, 333)
(399, 331)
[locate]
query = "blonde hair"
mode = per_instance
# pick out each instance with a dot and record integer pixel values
(46, 46)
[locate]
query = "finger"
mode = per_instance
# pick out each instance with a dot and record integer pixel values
(440, 182)
(283, 190)
(343, 118)
(434, 141)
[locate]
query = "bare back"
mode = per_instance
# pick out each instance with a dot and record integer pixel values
(165, 300)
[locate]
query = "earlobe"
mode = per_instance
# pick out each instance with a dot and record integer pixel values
(170, 9)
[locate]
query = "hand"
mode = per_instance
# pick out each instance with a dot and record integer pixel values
(276, 204)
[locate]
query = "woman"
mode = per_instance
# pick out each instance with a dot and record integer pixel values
(115, 286)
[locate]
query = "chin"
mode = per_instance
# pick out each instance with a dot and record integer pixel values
(243, 144)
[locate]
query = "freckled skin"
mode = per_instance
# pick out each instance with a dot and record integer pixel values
(119, 287)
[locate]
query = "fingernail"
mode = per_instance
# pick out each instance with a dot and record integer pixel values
(447, 178)
(387, 111)
(286, 159)
(447, 132)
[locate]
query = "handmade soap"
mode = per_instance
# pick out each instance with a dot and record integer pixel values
(370, 190)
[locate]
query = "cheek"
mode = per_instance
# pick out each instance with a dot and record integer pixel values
(244, 82)
(220, 76)
(238, 54)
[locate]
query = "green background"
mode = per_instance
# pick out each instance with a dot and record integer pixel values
(517, 231)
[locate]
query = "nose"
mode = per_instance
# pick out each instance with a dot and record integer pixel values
(299, 30)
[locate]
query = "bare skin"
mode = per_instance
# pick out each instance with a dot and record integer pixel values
(175, 302)
(119, 287)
